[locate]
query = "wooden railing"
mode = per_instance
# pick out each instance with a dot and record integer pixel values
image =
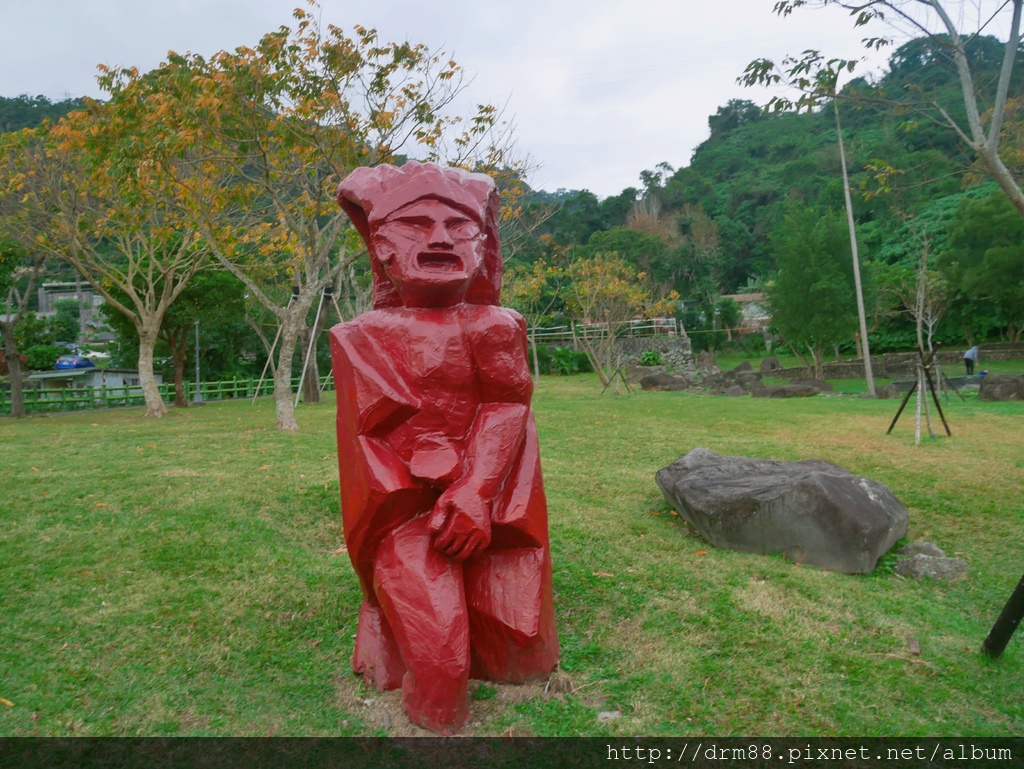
(586, 330)
(40, 401)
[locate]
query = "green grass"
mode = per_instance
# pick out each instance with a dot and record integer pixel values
(179, 577)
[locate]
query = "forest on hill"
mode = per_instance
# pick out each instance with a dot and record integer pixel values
(758, 209)
(763, 183)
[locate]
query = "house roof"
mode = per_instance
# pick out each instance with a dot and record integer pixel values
(742, 298)
(66, 373)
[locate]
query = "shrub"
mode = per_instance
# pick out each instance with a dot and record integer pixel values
(651, 358)
(543, 359)
(43, 356)
(565, 361)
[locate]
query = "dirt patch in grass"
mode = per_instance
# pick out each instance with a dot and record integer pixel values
(383, 711)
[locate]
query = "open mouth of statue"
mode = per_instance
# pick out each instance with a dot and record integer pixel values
(439, 261)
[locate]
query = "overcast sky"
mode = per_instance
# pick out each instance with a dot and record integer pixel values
(599, 90)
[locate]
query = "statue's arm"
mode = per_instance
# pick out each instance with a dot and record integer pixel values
(461, 519)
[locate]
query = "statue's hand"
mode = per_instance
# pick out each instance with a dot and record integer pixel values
(461, 522)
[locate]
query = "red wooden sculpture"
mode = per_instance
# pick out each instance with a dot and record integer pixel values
(442, 500)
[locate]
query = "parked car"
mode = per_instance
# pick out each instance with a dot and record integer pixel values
(73, 361)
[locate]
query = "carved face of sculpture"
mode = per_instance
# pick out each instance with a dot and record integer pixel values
(431, 251)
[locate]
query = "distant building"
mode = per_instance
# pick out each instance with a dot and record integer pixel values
(88, 301)
(754, 309)
(89, 377)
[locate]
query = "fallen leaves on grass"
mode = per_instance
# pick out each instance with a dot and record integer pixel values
(701, 552)
(603, 574)
(6, 702)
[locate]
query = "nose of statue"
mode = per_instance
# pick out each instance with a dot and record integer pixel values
(439, 236)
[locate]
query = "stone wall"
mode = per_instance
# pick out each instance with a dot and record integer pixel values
(675, 351)
(894, 365)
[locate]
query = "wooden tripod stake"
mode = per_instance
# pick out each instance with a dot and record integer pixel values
(923, 373)
(1008, 621)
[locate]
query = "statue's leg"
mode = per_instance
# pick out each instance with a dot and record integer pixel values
(511, 614)
(377, 658)
(423, 600)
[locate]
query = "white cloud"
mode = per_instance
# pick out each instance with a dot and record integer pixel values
(600, 89)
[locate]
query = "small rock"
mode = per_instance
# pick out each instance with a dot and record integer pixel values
(744, 366)
(923, 548)
(662, 380)
(386, 719)
(770, 364)
(608, 715)
(820, 384)
(920, 566)
(735, 390)
(748, 380)
(887, 391)
(635, 373)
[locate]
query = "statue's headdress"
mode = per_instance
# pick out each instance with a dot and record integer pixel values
(370, 195)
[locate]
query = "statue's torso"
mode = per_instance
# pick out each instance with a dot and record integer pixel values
(450, 360)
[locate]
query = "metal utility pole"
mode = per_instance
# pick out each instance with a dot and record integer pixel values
(198, 396)
(856, 261)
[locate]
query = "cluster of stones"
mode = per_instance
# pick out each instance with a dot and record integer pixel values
(990, 387)
(741, 380)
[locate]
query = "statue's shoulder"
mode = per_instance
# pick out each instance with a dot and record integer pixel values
(372, 322)
(489, 318)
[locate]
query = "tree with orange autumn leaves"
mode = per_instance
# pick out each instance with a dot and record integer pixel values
(276, 127)
(606, 293)
(99, 191)
(235, 159)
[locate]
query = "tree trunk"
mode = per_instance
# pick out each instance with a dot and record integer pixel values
(155, 406)
(819, 363)
(311, 378)
(536, 359)
(594, 356)
(283, 375)
(14, 370)
(917, 418)
(178, 358)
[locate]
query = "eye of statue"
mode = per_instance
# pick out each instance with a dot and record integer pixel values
(463, 229)
(460, 229)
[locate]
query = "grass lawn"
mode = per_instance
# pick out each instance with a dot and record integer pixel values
(181, 577)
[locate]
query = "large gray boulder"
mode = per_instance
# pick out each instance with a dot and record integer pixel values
(1001, 388)
(813, 511)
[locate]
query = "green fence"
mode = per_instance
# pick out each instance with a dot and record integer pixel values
(38, 401)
